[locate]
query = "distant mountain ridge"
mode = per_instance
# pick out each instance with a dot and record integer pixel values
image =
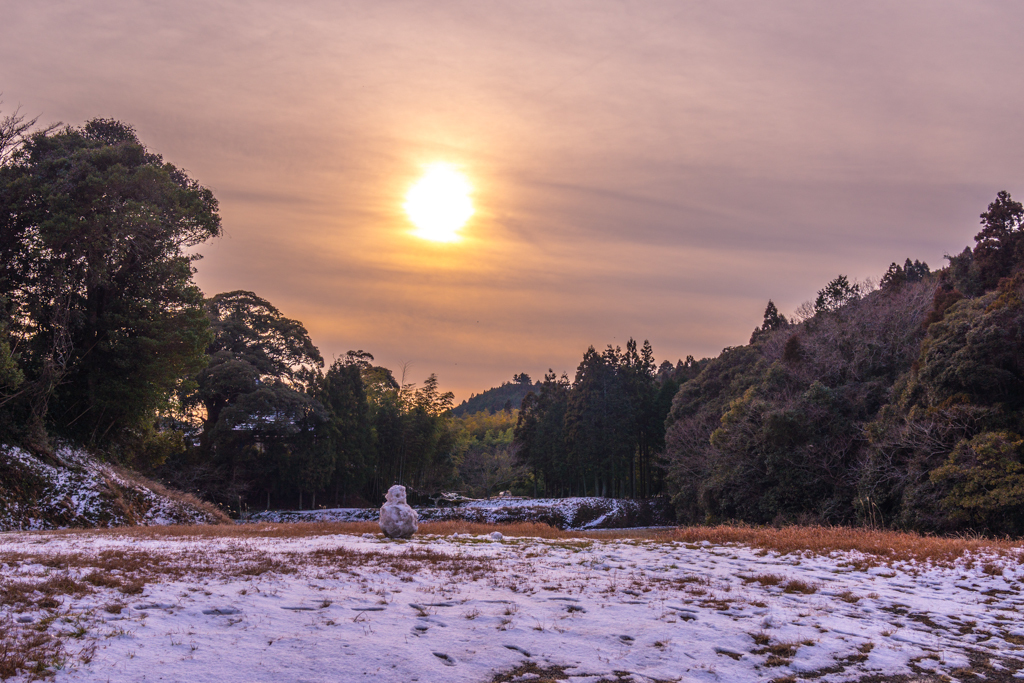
(509, 396)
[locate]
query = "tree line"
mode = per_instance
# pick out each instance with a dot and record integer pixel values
(899, 404)
(106, 343)
(600, 433)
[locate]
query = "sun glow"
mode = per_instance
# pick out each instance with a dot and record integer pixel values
(439, 203)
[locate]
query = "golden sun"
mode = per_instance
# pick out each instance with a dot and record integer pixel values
(439, 203)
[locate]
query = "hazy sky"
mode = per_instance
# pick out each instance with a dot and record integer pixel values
(648, 169)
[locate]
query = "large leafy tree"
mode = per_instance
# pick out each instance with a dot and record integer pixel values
(254, 346)
(96, 234)
(260, 417)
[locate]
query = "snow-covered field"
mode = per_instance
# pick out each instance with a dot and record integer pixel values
(469, 608)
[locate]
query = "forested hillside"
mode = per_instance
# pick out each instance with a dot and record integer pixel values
(894, 407)
(508, 396)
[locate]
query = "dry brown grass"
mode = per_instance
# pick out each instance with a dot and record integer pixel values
(410, 561)
(883, 545)
(264, 530)
(764, 579)
(31, 653)
(129, 571)
(308, 529)
(798, 586)
(44, 593)
(173, 494)
(992, 569)
(879, 546)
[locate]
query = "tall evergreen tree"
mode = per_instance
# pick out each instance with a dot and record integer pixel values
(540, 434)
(600, 423)
(1000, 246)
(347, 432)
(773, 320)
(835, 295)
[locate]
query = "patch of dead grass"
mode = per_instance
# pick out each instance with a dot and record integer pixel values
(880, 544)
(42, 592)
(798, 586)
(27, 652)
(764, 579)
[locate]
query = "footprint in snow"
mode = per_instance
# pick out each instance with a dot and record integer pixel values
(222, 611)
(447, 660)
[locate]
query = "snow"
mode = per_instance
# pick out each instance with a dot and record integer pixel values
(340, 608)
(79, 491)
(565, 513)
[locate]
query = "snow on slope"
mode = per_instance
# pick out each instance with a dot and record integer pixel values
(461, 609)
(74, 490)
(564, 513)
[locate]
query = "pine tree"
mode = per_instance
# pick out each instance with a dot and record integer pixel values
(599, 421)
(773, 320)
(540, 434)
(835, 295)
(347, 432)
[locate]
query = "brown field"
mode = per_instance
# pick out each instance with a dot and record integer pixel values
(879, 546)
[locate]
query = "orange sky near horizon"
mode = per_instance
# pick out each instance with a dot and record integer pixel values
(648, 169)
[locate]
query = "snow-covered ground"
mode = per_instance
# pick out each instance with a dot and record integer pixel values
(467, 608)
